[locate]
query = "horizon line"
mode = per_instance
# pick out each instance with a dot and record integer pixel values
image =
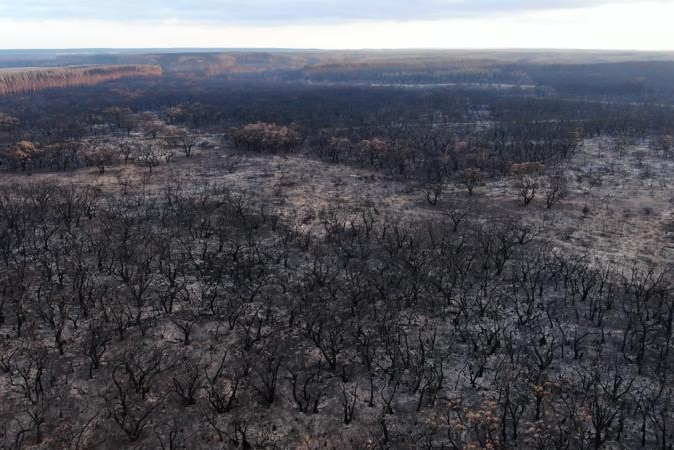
(192, 48)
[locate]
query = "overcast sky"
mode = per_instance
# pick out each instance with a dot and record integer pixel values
(589, 24)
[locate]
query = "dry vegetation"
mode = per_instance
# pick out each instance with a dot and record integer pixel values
(34, 79)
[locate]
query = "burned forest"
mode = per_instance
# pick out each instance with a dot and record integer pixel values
(337, 249)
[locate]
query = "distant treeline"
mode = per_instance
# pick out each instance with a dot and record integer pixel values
(29, 80)
(637, 79)
(645, 80)
(631, 77)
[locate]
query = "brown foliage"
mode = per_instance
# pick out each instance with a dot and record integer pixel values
(101, 157)
(29, 80)
(526, 168)
(23, 153)
(266, 137)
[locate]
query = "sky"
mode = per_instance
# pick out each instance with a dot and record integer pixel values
(337, 24)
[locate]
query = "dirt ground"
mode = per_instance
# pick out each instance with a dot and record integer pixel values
(619, 208)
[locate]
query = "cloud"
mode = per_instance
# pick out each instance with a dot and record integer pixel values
(277, 12)
(622, 26)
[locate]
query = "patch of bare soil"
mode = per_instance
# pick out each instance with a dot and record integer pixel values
(619, 207)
